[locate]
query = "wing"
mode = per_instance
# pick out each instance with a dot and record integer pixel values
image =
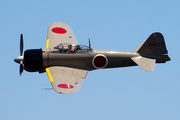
(66, 80)
(59, 32)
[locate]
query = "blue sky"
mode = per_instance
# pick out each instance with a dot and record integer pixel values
(118, 94)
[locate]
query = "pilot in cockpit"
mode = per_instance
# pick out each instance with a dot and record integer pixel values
(70, 49)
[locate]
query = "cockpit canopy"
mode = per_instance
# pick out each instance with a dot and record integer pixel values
(72, 48)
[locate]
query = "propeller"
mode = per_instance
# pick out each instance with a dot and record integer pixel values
(21, 44)
(21, 69)
(19, 59)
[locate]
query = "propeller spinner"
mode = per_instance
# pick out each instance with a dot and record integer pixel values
(19, 59)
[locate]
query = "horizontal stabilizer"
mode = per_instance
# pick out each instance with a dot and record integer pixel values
(145, 63)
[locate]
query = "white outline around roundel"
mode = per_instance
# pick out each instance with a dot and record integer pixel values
(97, 56)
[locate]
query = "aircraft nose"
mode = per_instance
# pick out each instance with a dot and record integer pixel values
(18, 59)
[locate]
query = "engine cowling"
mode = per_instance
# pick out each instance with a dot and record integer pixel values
(33, 60)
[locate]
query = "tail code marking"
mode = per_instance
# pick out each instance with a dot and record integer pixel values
(156, 44)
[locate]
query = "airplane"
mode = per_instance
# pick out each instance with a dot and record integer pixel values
(67, 63)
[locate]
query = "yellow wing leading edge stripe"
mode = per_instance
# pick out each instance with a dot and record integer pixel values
(49, 75)
(47, 69)
(47, 43)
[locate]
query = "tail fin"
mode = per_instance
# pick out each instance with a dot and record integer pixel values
(151, 52)
(154, 45)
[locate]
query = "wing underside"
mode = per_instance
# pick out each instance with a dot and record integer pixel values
(63, 79)
(66, 80)
(59, 32)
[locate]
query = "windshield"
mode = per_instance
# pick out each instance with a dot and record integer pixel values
(72, 48)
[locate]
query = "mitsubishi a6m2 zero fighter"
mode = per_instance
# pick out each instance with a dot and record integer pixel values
(67, 63)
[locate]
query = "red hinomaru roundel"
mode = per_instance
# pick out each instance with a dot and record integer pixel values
(100, 61)
(59, 30)
(65, 86)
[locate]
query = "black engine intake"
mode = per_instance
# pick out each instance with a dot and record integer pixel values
(33, 60)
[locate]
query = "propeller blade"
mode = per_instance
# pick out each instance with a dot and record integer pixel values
(21, 44)
(21, 69)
